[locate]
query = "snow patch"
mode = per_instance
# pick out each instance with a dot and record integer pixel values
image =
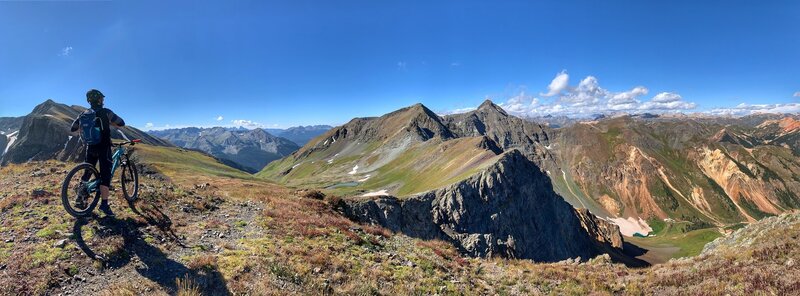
(68, 139)
(354, 171)
(377, 193)
(548, 147)
(332, 158)
(294, 166)
(11, 138)
(123, 135)
(364, 179)
(630, 226)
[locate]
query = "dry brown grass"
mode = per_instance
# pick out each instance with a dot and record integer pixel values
(187, 287)
(203, 262)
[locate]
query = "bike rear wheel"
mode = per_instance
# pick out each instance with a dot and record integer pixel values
(130, 181)
(80, 191)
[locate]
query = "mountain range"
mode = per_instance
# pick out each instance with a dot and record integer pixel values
(248, 150)
(470, 178)
(637, 172)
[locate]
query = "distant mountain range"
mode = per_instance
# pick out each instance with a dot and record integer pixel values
(45, 134)
(248, 150)
(300, 135)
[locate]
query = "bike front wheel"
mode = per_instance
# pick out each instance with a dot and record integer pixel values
(81, 190)
(130, 181)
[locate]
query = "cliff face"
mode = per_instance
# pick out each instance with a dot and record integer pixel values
(508, 210)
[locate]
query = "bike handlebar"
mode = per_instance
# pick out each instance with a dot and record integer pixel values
(131, 142)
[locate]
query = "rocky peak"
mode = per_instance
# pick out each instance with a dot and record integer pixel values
(50, 107)
(489, 106)
(261, 133)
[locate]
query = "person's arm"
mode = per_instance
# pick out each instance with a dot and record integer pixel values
(115, 120)
(75, 124)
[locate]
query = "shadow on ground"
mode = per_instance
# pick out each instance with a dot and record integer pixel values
(152, 263)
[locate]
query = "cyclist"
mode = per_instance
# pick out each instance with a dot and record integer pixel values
(100, 152)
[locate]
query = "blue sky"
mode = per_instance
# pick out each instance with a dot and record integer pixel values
(324, 62)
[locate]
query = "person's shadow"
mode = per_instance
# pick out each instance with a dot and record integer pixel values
(154, 264)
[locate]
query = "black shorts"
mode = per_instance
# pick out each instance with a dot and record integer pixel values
(102, 154)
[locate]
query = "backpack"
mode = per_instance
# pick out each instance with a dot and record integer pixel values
(91, 125)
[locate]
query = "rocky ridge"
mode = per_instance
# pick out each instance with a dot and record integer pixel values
(508, 210)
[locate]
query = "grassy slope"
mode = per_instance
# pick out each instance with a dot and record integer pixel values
(674, 240)
(422, 167)
(173, 160)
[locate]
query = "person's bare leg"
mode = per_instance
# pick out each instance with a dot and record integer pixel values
(104, 192)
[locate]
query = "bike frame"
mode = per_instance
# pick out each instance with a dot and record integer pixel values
(116, 159)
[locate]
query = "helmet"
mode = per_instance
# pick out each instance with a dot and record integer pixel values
(93, 96)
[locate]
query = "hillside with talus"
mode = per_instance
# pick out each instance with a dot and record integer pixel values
(697, 171)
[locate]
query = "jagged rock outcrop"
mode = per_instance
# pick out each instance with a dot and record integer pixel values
(599, 229)
(45, 134)
(508, 210)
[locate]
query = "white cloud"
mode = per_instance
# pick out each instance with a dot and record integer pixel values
(746, 109)
(796, 94)
(589, 97)
(559, 83)
(666, 97)
(456, 111)
(520, 103)
(220, 118)
(66, 51)
(148, 125)
(401, 65)
(627, 97)
(246, 123)
(587, 93)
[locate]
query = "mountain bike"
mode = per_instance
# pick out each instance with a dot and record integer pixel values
(81, 189)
